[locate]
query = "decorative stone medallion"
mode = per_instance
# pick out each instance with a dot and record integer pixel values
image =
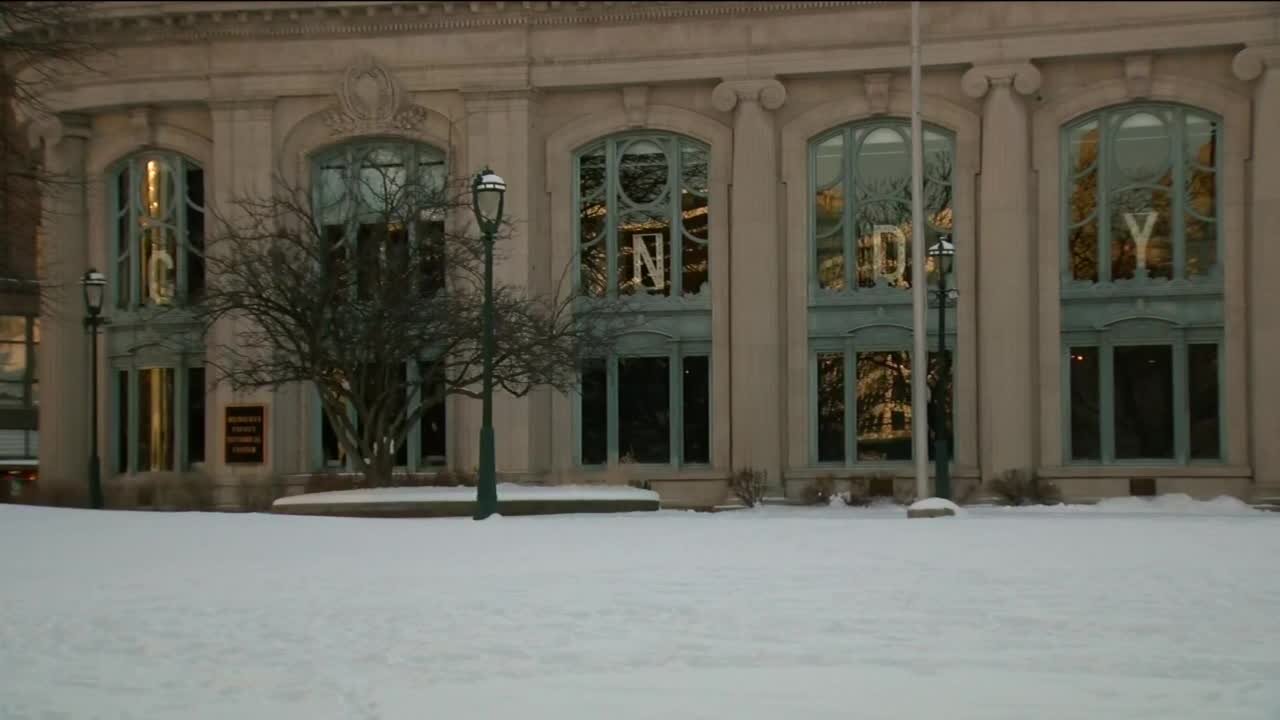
(370, 100)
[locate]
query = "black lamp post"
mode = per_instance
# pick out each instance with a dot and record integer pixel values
(943, 253)
(487, 191)
(94, 283)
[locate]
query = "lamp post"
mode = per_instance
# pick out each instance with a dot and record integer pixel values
(487, 191)
(943, 253)
(94, 283)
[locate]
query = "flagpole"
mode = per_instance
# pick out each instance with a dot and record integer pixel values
(919, 297)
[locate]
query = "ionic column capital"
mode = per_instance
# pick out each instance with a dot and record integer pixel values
(768, 92)
(1021, 75)
(1250, 62)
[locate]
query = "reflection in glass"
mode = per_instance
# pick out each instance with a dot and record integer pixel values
(1141, 239)
(697, 409)
(432, 428)
(644, 402)
(643, 171)
(831, 407)
(883, 420)
(1143, 390)
(195, 415)
(594, 422)
(1086, 432)
(155, 419)
(644, 264)
(122, 421)
(1202, 395)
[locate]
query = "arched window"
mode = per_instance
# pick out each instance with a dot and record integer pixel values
(861, 221)
(642, 231)
(860, 236)
(158, 205)
(1141, 194)
(643, 216)
(1142, 315)
(370, 198)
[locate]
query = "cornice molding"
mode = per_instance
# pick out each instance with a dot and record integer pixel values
(186, 22)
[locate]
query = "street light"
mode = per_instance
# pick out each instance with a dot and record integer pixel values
(943, 253)
(94, 283)
(487, 191)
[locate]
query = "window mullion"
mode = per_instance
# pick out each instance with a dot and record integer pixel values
(848, 237)
(1106, 398)
(1103, 199)
(179, 231)
(1177, 188)
(1181, 399)
(675, 214)
(849, 360)
(415, 397)
(611, 217)
(135, 238)
(611, 410)
(675, 397)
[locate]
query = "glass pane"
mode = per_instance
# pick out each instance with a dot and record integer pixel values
(642, 171)
(883, 164)
(155, 420)
(1202, 246)
(644, 423)
(1202, 394)
(331, 191)
(382, 182)
(13, 362)
(884, 406)
(195, 415)
(831, 410)
(159, 264)
(1202, 193)
(1083, 143)
(122, 421)
(830, 249)
(1144, 401)
(884, 245)
(593, 261)
(1141, 239)
(828, 160)
(591, 174)
(1086, 428)
(13, 328)
(937, 157)
(697, 409)
(643, 266)
(433, 428)
(696, 271)
(1084, 252)
(1142, 146)
(595, 413)
(195, 232)
(1202, 141)
(693, 215)
(156, 192)
(13, 394)
(1083, 203)
(432, 253)
(693, 167)
(828, 210)
(124, 239)
(334, 454)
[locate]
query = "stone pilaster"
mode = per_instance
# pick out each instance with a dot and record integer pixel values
(1261, 63)
(63, 360)
(755, 267)
(498, 134)
(1006, 268)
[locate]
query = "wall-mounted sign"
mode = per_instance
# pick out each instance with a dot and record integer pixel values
(245, 434)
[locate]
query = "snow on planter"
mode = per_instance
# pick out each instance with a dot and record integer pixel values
(933, 507)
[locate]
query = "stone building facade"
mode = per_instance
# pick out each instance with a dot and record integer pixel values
(1106, 171)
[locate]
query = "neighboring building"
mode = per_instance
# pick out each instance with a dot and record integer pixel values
(1109, 172)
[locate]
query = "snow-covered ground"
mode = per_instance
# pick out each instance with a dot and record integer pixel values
(506, 491)
(774, 614)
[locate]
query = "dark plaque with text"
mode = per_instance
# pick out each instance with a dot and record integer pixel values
(246, 434)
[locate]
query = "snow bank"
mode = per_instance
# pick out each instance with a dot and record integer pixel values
(1177, 503)
(936, 503)
(506, 491)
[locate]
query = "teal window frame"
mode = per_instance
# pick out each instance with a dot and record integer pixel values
(1140, 311)
(128, 251)
(675, 324)
(131, 464)
(417, 157)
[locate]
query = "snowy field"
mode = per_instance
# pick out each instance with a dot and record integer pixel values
(1127, 612)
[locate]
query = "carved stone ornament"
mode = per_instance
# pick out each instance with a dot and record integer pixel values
(369, 99)
(1137, 76)
(876, 86)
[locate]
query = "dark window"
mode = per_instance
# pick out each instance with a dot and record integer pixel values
(948, 403)
(195, 232)
(884, 405)
(595, 412)
(697, 410)
(122, 421)
(1202, 395)
(831, 407)
(1086, 432)
(155, 420)
(1143, 401)
(334, 454)
(644, 409)
(432, 436)
(195, 415)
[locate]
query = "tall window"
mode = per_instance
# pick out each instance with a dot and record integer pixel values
(19, 387)
(642, 230)
(160, 418)
(158, 204)
(1142, 285)
(362, 194)
(860, 236)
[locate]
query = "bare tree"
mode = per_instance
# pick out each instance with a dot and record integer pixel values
(348, 287)
(39, 44)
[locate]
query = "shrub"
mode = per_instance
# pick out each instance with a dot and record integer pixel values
(1024, 487)
(904, 490)
(820, 491)
(966, 492)
(748, 485)
(858, 494)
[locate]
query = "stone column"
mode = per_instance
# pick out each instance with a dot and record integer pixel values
(1262, 63)
(63, 361)
(498, 134)
(1006, 269)
(755, 266)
